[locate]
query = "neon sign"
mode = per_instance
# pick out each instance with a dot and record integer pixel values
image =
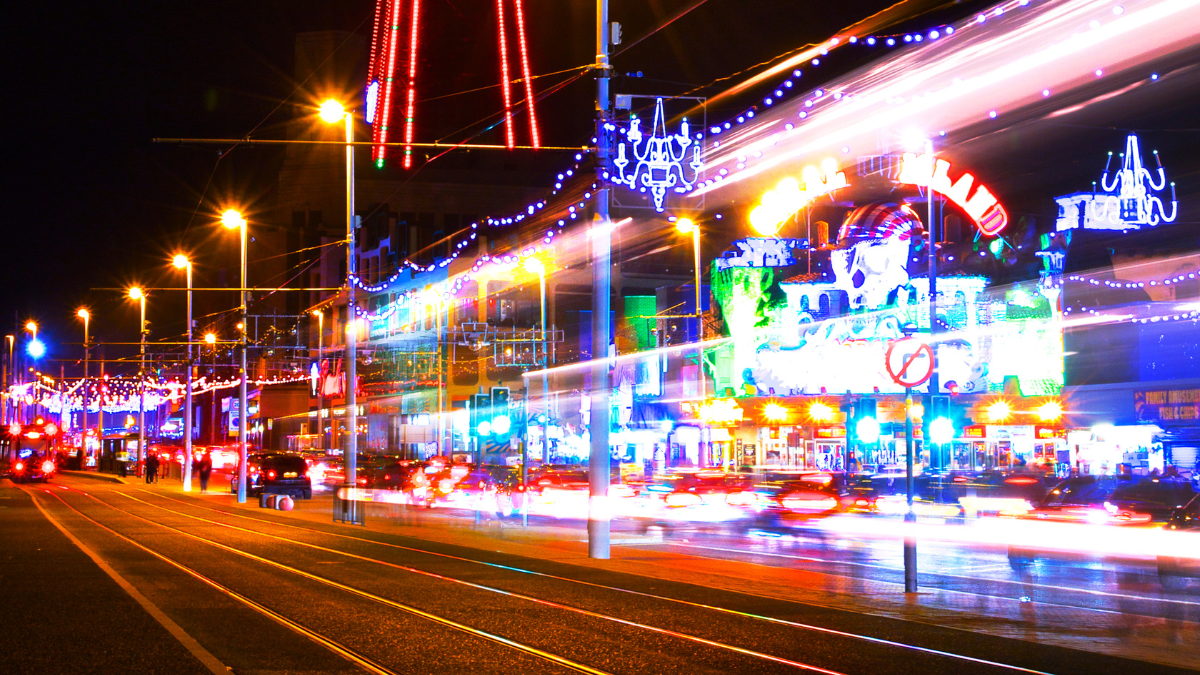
(982, 206)
(787, 198)
(657, 167)
(1127, 201)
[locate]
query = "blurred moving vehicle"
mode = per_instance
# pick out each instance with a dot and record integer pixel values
(275, 473)
(798, 498)
(1173, 573)
(1122, 501)
(27, 452)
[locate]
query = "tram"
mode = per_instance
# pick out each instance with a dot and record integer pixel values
(27, 451)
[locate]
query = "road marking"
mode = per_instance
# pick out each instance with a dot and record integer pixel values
(534, 651)
(821, 629)
(197, 650)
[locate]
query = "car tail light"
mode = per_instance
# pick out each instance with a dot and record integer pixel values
(520, 488)
(681, 499)
(47, 466)
(362, 481)
(19, 466)
(51, 429)
(481, 484)
(387, 476)
(1021, 480)
(271, 474)
(862, 503)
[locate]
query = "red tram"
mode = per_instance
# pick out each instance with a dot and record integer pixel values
(27, 452)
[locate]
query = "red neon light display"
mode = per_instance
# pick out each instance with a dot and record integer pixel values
(504, 79)
(533, 128)
(412, 83)
(982, 206)
(381, 73)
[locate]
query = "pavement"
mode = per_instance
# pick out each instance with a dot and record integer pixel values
(162, 581)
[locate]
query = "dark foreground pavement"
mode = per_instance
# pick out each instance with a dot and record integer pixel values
(245, 590)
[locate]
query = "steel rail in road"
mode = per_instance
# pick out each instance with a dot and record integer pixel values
(519, 596)
(328, 642)
(652, 596)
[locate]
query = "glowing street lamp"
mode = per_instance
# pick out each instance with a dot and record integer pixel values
(689, 226)
(210, 338)
(233, 220)
(331, 112)
(136, 293)
(999, 411)
(181, 262)
(1049, 411)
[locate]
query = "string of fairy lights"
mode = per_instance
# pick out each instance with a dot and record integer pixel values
(121, 394)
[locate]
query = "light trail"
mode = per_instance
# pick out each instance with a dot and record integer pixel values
(984, 70)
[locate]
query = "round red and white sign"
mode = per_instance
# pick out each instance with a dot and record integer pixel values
(909, 362)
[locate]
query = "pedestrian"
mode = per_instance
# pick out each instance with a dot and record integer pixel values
(204, 470)
(151, 468)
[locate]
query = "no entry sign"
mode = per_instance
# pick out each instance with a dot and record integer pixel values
(909, 362)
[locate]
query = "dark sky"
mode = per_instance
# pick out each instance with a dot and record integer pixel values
(90, 202)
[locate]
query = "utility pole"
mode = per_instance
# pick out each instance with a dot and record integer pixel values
(350, 452)
(601, 238)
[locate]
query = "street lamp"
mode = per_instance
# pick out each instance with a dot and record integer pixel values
(233, 220)
(181, 262)
(331, 112)
(320, 314)
(688, 226)
(84, 314)
(136, 293)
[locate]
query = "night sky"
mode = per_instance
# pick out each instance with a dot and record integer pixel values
(90, 202)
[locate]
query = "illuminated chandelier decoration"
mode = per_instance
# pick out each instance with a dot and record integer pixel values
(657, 167)
(385, 96)
(1124, 200)
(1131, 199)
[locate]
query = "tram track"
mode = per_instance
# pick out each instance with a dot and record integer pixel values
(346, 652)
(650, 596)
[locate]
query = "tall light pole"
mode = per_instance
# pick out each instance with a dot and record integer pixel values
(688, 226)
(320, 314)
(601, 239)
(233, 220)
(333, 112)
(84, 314)
(138, 294)
(181, 262)
(536, 266)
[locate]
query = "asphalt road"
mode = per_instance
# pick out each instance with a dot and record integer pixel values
(258, 592)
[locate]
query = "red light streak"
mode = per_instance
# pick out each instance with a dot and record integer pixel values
(383, 112)
(412, 82)
(504, 81)
(533, 127)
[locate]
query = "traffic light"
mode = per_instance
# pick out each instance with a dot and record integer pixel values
(866, 420)
(941, 424)
(481, 415)
(501, 421)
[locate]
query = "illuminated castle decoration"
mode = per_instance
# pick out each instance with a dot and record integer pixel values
(390, 91)
(1126, 202)
(871, 263)
(761, 252)
(983, 208)
(660, 162)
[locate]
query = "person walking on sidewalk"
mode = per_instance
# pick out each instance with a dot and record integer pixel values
(204, 470)
(151, 468)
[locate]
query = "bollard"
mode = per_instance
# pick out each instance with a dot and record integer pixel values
(285, 503)
(262, 501)
(272, 501)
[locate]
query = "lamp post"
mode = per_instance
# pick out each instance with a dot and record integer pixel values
(331, 113)
(536, 266)
(320, 314)
(136, 293)
(688, 226)
(84, 314)
(181, 262)
(233, 220)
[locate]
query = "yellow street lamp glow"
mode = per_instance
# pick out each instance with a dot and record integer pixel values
(999, 411)
(1049, 411)
(685, 225)
(317, 312)
(774, 412)
(31, 326)
(820, 412)
(232, 219)
(180, 261)
(332, 111)
(135, 293)
(210, 338)
(83, 313)
(240, 326)
(534, 265)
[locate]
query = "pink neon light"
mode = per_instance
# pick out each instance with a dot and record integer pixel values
(383, 113)
(504, 81)
(533, 126)
(412, 82)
